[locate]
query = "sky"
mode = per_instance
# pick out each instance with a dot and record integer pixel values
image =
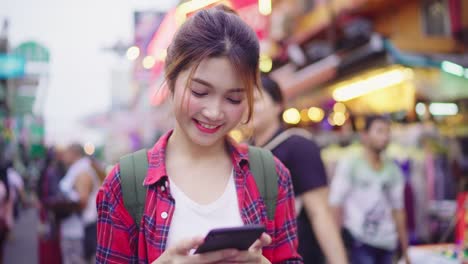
(76, 32)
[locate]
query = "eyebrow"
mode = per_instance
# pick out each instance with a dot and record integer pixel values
(205, 83)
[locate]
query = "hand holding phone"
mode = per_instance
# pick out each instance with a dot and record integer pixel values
(252, 253)
(240, 238)
(180, 253)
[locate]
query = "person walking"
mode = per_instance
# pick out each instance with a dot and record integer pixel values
(367, 194)
(319, 237)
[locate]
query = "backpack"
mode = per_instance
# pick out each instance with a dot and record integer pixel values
(134, 167)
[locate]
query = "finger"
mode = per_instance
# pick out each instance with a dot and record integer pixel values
(264, 241)
(215, 256)
(246, 257)
(185, 246)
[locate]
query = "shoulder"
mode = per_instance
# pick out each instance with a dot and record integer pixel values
(111, 187)
(284, 176)
(395, 170)
(301, 142)
(349, 164)
(297, 146)
(295, 138)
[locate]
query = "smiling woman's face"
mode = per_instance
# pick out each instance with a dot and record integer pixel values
(213, 104)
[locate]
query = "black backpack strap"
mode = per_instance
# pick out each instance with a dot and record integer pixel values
(263, 168)
(133, 170)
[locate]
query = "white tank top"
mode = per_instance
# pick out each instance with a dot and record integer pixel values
(192, 219)
(73, 226)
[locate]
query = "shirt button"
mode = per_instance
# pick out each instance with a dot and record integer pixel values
(164, 215)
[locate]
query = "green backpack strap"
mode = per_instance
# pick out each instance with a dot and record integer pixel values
(262, 165)
(133, 170)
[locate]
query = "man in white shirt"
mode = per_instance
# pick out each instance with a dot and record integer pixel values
(367, 197)
(80, 185)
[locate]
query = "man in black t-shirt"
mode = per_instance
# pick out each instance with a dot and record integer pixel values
(317, 228)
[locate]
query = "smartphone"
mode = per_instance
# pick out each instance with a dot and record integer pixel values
(240, 238)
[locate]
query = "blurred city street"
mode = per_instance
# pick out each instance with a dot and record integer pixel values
(364, 102)
(22, 246)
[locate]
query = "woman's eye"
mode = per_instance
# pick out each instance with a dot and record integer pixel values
(198, 94)
(234, 101)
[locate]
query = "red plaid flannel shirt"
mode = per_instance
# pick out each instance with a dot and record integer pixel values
(118, 235)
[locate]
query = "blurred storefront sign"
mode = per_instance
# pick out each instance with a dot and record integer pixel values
(28, 97)
(370, 90)
(320, 17)
(33, 51)
(36, 55)
(249, 11)
(25, 96)
(146, 25)
(11, 66)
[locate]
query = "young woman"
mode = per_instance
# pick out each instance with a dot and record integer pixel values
(198, 179)
(298, 152)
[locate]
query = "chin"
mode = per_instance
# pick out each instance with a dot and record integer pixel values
(205, 140)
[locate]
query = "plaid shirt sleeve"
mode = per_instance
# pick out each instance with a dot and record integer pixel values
(116, 232)
(285, 239)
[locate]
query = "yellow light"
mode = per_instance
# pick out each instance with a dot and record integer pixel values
(89, 148)
(339, 118)
(190, 6)
(148, 62)
(316, 114)
(304, 115)
(360, 123)
(266, 64)
(133, 52)
(264, 7)
(237, 135)
(292, 116)
(339, 107)
(389, 78)
(330, 120)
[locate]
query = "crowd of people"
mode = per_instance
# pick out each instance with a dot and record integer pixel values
(67, 193)
(64, 196)
(12, 192)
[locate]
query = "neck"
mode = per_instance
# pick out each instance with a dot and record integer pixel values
(180, 145)
(373, 157)
(263, 136)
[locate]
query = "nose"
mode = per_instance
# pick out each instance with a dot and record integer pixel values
(214, 111)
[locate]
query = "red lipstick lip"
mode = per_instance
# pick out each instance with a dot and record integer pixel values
(204, 129)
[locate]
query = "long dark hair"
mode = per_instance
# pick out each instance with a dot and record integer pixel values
(215, 32)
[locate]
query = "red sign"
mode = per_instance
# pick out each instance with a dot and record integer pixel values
(250, 14)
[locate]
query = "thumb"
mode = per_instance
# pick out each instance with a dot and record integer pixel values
(183, 247)
(263, 241)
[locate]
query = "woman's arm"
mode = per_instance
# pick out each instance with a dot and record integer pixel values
(324, 225)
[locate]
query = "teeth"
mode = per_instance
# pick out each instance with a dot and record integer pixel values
(207, 126)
